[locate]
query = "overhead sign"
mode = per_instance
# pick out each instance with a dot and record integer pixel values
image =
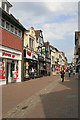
(43, 49)
(32, 56)
(8, 54)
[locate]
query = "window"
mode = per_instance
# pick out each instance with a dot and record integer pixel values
(19, 33)
(2, 23)
(30, 43)
(7, 8)
(16, 31)
(7, 25)
(79, 41)
(3, 5)
(12, 28)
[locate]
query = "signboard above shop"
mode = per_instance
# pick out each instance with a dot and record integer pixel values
(10, 55)
(32, 56)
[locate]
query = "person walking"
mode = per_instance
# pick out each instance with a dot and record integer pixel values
(32, 72)
(62, 75)
(69, 73)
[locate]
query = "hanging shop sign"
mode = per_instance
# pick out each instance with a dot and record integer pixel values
(43, 49)
(32, 56)
(14, 75)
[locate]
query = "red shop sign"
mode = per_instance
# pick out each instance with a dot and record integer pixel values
(28, 53)
(8, 54)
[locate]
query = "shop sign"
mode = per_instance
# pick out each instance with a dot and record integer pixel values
(31, 55)
(8, 55)
(43, 49)
(14, 75)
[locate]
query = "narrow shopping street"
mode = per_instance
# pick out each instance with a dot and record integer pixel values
(45, 97)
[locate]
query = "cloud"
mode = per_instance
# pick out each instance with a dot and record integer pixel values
(58, 21)
(58, 31)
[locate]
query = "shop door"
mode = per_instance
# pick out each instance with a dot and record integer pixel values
(7, 73)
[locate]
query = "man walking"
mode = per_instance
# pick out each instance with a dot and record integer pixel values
(62, 75)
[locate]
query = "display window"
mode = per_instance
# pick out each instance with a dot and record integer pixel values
(2, 69)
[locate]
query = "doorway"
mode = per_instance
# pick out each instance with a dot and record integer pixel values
(7, 73)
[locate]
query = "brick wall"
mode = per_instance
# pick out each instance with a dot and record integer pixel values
(10, 40)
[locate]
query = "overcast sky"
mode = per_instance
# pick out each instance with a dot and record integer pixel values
(57, 20)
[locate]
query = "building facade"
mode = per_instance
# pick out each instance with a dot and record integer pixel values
(30, 55)
(77, 52)
(11, 33)
(40, 49)
(48, 57)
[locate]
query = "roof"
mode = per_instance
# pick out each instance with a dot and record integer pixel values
(46, 43)
(12, 19)
(52, 47)
(37, 33)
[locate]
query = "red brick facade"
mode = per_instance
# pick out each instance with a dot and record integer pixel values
(10, 40)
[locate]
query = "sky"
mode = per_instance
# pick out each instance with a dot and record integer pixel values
(57, 20)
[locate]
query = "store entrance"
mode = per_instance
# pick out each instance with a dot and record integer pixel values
(7, 73)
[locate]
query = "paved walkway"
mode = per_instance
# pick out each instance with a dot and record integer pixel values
(13, 94)
(49, 98)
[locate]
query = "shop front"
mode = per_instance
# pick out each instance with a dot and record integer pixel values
(10, 66)
(30, 61)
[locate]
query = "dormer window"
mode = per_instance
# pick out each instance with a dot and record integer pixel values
(3, 5)
(7, 8)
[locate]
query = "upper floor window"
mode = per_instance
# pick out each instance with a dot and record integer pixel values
(7, 25)
(7, 8)
(16, 31)
(31, 43)
(3, 5)
(12, 28)
(19, 33)
(2, 23)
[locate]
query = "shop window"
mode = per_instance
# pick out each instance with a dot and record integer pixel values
(7, 25)
(17, 68)
(2, 69)
(12, 67)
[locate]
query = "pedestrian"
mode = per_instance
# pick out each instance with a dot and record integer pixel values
(62, 75)
(69, 72)
(74, 72)
(32, 72)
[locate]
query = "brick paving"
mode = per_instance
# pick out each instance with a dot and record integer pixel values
(61, 102)
(13, 94)
(52, 100)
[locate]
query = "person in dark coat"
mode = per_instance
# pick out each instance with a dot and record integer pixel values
(62, 75)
